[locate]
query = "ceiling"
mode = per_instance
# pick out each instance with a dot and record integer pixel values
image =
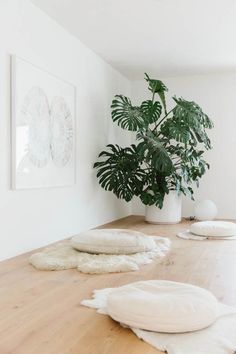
(162, 37)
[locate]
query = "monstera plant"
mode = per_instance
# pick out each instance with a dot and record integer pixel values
(169, 148)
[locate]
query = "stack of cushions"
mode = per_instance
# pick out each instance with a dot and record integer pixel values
(162, 306)
(213, 229)
(112, 241)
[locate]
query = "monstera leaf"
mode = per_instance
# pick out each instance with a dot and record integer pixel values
(192, 112)
(151, 111)
(127, 116)
(155, 152)
(188, 116)
(157, 86)
(176, 129)
(120, 171)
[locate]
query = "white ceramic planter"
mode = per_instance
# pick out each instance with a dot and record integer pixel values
(169, 214)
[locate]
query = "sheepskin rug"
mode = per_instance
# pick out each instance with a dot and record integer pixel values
(64, 256)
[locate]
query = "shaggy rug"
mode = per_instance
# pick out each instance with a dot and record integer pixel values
(219, 338)
(64, 256)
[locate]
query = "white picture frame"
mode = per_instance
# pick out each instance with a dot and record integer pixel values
(43, 129)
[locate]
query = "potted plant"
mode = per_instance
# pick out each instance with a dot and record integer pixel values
(167, 157)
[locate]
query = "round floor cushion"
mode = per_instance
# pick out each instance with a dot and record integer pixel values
(213, 228)
(113, 241)
(163, 306)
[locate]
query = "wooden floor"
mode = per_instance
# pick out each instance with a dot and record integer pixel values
(40, 312)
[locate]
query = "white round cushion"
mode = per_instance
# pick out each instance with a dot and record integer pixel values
(213, 228)
(113, 241)
(163, 306)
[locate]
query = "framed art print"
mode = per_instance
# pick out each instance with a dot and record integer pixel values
(43, 128)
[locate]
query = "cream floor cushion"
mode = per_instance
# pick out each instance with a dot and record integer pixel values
(163, 306)
(113, 241)
(213, 228)
(219, 338)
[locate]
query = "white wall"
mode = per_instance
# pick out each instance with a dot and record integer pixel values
(33, 218)
(29, 219)
(216, 95)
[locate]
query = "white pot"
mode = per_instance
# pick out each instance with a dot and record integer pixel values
(170, 212)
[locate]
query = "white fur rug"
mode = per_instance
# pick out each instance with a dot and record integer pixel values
(219, 338)
(187, 235)
(63, 256)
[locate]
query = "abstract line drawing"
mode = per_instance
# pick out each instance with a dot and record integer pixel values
(43, 123)
(50, 128)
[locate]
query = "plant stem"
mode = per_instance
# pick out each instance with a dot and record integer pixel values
(153, 96)
(157, 125)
